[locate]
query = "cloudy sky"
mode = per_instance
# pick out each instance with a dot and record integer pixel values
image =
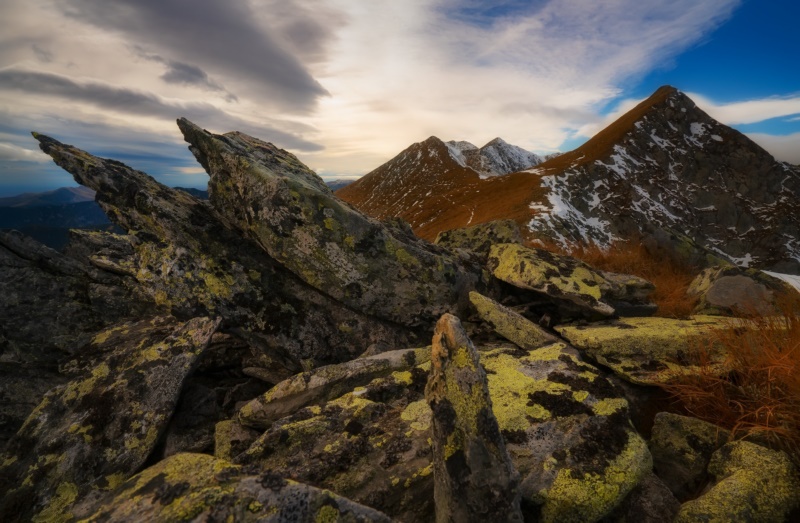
(347, 84)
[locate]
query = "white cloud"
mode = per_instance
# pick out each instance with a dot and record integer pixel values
(15, 153)
(749, 111)
(784, 148)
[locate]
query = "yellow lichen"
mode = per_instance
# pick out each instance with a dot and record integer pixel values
(418, 413)
(57, 509)
(327, 514)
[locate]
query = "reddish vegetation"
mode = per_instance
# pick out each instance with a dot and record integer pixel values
(758, 394)
(437, 194)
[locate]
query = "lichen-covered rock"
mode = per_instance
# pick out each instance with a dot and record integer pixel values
(288, 210)
(98, 429)
(650, 502)
(753, 483)
(191, 261)
(480, 238)
(50, 304)
(565, 279)
(474, 479)
(729, 291)
(647, 351)
(628, 294)
(512, 326)
(325, 383)
(682, 447)
(232, 438)
(197, 487)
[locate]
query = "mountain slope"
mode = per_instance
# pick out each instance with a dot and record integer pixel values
(665, 168)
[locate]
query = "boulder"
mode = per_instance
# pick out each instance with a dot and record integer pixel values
(197, 487)
(628, 294)
(752, 483)
(682, 447)
(325, 383)
(283, 206)
(480, 238)
(474, 479)
(96, 431)
(512, 326)
(562, 278)
(647, 351)
(650, 502)
(733, 291)
(232, 438)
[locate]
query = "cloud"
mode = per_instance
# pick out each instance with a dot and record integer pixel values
(185, 74)
(222, 36)
(749, 111)
(14, 153)
(784, 148)
(139, 103)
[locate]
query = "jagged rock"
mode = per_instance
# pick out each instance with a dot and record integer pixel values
(647, 351)
(628, 294)
(480, 238)
(50, 304)
(682, 447)
(474, 478)
(325, 383)
(650, 502)
(232, 438)
(729, 291)
(510, 325)
(196, 487)
(752, 483)
(286, 208)
(191, 262)
(98, 429)
(562, 278)
(191, 428)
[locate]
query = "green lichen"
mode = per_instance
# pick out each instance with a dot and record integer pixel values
(57, 510)
(327, 514)
(418, 414)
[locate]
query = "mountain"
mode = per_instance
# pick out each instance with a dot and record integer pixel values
(62, 196)
(496, 158)
(663, 170)
(335, 185)
(436, 185)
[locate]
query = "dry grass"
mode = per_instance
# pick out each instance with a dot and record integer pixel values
(758, 393)
(670, 276)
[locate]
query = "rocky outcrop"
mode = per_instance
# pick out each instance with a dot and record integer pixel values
(731, 291)
(648, 351)
(197, 487)
(474, 478)
(480, 238)
(288, 210)
(512, 326)
(752, 483)
(100, 428)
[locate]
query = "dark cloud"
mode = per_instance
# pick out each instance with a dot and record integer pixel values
(141, 103)
(185, 74)
(43, 55)
(220, 36)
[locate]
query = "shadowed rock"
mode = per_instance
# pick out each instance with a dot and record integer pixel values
(510, 325)
(474, 479)
(98, 429)
(286, 208)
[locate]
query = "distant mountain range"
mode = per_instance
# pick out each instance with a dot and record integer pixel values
(665, 171)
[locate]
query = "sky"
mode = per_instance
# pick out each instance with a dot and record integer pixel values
(348, 84)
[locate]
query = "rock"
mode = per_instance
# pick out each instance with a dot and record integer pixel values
(480, 238)
(190, 261)
(647, 351)
(197, 487)
(562, 278)
(474, 479)
(650, 502)
(286, 208)
(325, 383)
(231, 439)
(752, 483)
(191, 428)
(731, 291)
(682, 447)
(98, 429)
(510, 325)
(629, 295)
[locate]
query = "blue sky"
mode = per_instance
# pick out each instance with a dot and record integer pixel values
(346, 85)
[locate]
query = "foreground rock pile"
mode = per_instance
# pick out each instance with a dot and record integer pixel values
(274, 355)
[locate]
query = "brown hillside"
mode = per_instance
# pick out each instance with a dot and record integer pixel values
(429, 189)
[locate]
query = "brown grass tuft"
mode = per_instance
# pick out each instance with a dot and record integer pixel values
(757, 395)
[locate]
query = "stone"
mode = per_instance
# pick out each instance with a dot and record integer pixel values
(650, 502)
(474, 479)
(197, 487)
(731, 291)
(232, 438)
(325, 383)
(628, 294)
(562, 278)
(480, 238)
(752, 483)
(93, 433)
(512, 326)
(648, 351)
(283, 206)
(682, 448)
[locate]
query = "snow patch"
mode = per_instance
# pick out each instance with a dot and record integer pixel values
(791, 279)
